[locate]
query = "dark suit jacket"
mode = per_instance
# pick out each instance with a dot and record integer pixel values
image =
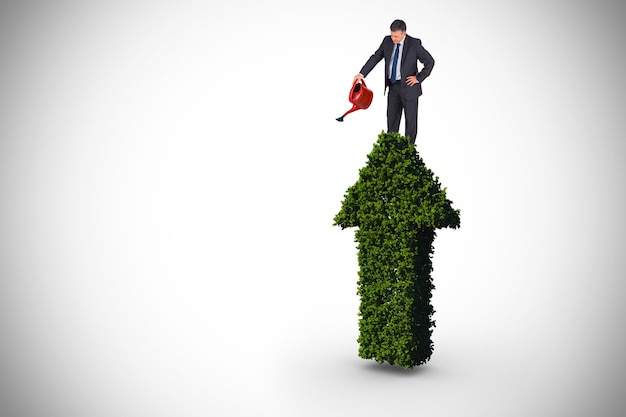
(412, 52)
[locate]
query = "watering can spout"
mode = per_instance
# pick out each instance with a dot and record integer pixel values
(354, 107)
(360, 96)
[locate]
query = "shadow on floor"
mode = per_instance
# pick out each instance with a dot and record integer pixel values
(387, 369)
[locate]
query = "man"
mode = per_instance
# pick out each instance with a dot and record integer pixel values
(401, 53)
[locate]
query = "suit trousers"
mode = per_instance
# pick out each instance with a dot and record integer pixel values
(396, 102)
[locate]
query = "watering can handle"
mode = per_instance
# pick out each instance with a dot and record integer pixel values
(356, 81)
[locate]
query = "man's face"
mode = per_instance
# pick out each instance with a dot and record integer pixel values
(397, 36)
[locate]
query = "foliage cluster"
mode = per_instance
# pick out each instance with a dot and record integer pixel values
(396, 206)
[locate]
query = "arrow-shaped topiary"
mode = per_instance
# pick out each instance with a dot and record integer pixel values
(396, 205)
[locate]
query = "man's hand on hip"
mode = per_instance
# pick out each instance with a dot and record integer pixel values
(411, 80)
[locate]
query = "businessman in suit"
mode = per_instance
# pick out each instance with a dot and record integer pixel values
(401, 53)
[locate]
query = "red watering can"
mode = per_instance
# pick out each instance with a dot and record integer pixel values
(360, 97)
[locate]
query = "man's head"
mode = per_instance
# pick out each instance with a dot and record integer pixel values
(398, 31)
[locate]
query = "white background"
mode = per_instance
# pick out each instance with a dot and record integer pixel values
(169, 174)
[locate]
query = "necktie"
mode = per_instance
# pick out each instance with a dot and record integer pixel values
(394, 65)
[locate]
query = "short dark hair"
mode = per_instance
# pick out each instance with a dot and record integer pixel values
(398, 25)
